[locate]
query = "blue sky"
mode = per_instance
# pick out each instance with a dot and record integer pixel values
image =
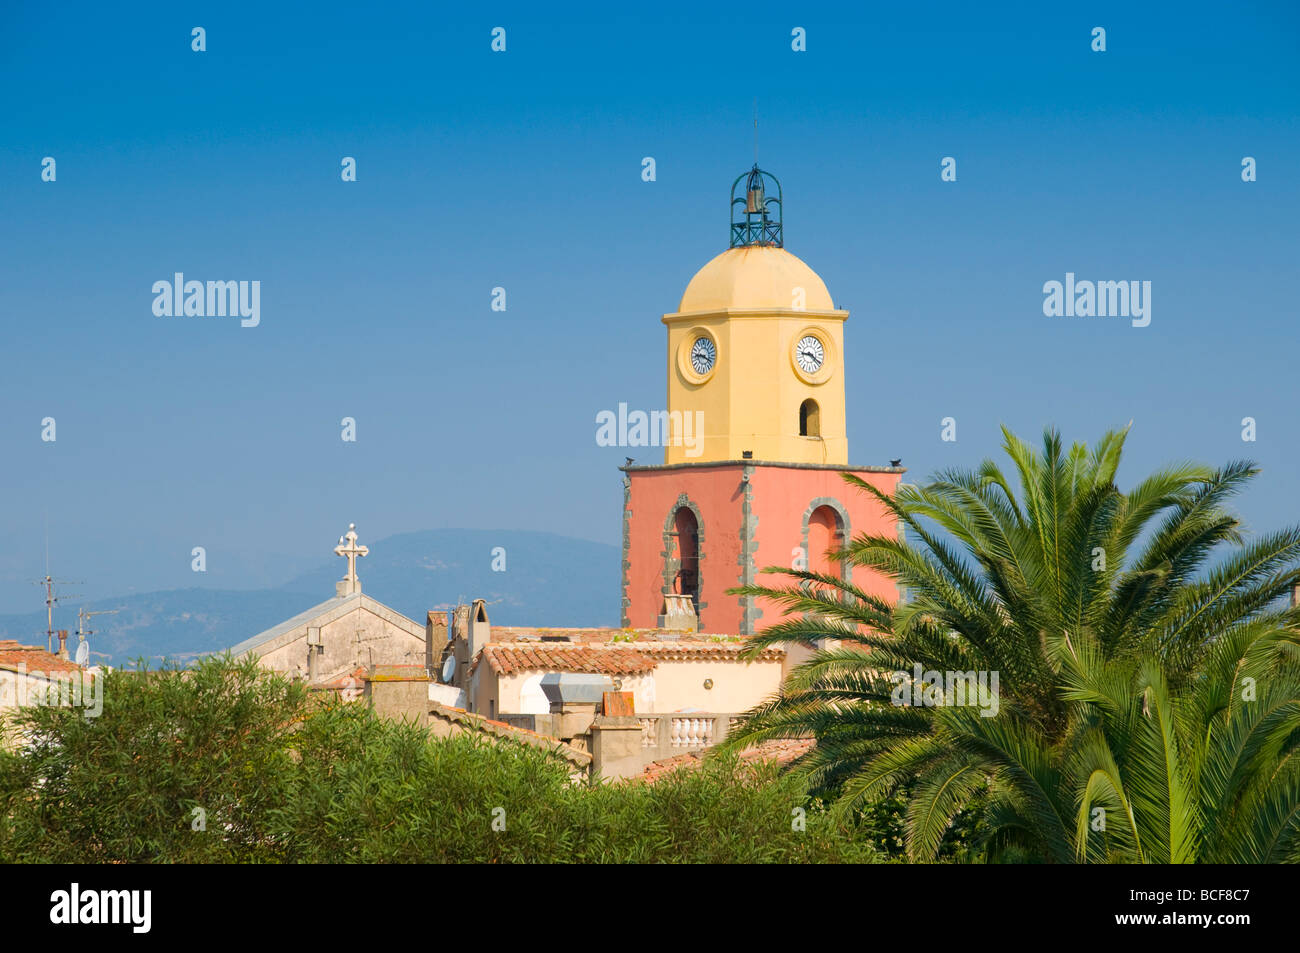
(522, 169)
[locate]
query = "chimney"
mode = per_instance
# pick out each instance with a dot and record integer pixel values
(63, 643)
(315, 646)
(460, 622)
(480, 630)
(435, 639)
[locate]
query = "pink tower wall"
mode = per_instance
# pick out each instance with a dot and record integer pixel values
(775, 503)
(783, 500)
(653, 495)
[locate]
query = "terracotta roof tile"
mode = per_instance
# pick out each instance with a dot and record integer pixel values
(620, 658)
(342, 681)
(501, 729)
(508, 659)
(531, 633)
(692, 650)
(780, 751)
(33, 659)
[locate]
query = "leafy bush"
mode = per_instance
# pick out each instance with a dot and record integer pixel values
(283, 779)
(124, 786)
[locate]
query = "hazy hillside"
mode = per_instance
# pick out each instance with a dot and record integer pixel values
(548, 580)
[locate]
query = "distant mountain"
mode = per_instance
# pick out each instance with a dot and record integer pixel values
(548, 580)
(179, 623)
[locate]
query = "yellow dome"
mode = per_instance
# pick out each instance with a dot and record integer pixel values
(754, 278)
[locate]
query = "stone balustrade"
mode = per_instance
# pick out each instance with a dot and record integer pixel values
(671, 733)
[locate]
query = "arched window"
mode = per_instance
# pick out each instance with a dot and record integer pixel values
(810, 419)
(686, 530)
(825, 534)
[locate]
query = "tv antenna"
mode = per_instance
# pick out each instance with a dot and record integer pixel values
(83, 617)
(51, 600)
(83, 630)
(49, 582)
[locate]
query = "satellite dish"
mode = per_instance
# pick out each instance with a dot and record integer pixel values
(83, 653)
(448, 668)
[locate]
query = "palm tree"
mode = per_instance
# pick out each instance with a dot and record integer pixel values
(1147, 700)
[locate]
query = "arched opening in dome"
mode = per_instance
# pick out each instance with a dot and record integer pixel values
(810, 419)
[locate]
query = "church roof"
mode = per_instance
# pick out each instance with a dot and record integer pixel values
(754, 278)
(324, 612)
(288, 625)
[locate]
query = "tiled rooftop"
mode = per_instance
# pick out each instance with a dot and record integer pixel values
(348, 680)
(532, 633)
(780, 751)
(501, 729)
(34, 658)
(618, 658)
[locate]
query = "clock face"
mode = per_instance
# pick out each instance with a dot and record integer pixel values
(810, 354)
(703, 355)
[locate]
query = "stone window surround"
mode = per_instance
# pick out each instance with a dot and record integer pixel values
(672, 563)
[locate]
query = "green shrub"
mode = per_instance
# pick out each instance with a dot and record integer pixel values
(369, 791)
(125, 786)
(283, 779)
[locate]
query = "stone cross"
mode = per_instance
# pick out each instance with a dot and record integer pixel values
(348, 547)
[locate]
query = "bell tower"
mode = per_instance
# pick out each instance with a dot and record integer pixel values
(755, 348)
(756, 452)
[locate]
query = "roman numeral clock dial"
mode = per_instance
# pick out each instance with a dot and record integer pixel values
(810, 354)
(703, 355)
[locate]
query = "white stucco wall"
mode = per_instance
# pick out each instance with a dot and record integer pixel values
(737, 686)
(672, 686)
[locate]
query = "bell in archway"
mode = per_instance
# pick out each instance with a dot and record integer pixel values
(754, 203)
